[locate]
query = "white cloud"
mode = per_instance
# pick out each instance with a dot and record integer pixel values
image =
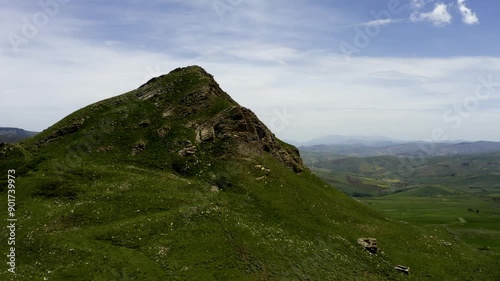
(440, 16)
(397, 97)
(417, 4)
(112, 43)
(468, 17)
(380, 22)
(61, 71)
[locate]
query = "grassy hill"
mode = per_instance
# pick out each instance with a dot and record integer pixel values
(176, 181)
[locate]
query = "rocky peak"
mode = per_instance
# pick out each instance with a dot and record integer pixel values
(232, 122)
(185, 113)
(252, 136)
(193, 82)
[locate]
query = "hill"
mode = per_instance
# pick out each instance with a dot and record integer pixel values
(176, 181)
(11, 135)
(349, 140)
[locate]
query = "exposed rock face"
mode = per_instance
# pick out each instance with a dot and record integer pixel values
(370, 244)
(205, 134)
(74, 126)
(188, 150)
(403, 269)
(169, 109)
(138, 147)
(144, 123)
(162, 132)
(169, 112)
(179, 101)
(243, 125)
(197, 98)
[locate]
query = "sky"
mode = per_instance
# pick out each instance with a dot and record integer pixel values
(404, 69)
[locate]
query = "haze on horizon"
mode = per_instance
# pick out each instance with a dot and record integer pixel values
(403, 69)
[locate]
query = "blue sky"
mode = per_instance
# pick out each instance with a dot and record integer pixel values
(406, 69)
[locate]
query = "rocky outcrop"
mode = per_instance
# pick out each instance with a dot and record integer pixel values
(403, 269)
(144, 123)
(205, 134)
(169, 112)
(138, 147)
(163, 131)
(188, 150)
(191, 95)
(370, 244)
(72, 127)
(253, 136)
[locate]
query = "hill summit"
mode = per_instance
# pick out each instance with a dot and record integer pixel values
(184, 111)
(176, 181)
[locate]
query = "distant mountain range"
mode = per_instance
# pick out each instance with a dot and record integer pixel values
(11, 135)
(410, 149)
(347, 140)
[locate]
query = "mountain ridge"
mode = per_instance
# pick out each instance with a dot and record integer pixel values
(11, 134)
(407, 149)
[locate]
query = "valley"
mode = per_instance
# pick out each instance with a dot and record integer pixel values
(459, 192)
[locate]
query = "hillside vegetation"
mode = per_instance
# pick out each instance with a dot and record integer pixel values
(176, 181)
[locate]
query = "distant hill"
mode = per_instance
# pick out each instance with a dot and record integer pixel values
(411, 149)
(469, 148)
(11, 135)
(349, 140)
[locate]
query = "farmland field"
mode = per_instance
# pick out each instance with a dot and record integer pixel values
(480, 230)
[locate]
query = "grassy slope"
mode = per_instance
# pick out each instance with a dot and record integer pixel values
(152, 225)
(90, 210)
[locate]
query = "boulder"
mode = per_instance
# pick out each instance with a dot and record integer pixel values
(138, 147)
(189, 150)
(370, 244)
(402, 268)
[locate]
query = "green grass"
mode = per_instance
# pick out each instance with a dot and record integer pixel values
(153, 225)
(480, 230)
(114, 200)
